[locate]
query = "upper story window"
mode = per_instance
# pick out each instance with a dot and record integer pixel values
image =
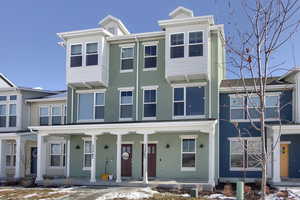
(243, 107)
(91, 54)
(195, 44)
(177, 45)
(57, 154)
(8, 111)
(245, 153)
(91, 106)
(150, 56)
(52, 115)
(126, 105)
(76, 55)
(188, 101)
(127, 57)
(150, 99)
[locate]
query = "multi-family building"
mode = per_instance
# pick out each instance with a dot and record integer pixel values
(155, 106)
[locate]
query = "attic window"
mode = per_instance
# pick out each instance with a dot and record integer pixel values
(111, 30)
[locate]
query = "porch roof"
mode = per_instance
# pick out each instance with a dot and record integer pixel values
(285, 129)
(201, 125)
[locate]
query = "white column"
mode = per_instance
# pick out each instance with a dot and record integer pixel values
(93, 164)
(68, 156)
(40, 158)
(119, 146)
(276, 157)
(19, 159)
(145, 160)
(211, 162)
(2, 169)
(297, 99)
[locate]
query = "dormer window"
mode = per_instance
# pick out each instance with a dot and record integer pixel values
(76, 55)
(177, 45)
(195, 44)
(91, 54)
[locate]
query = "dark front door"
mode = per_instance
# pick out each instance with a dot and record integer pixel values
(151, 160)
(33, 162)
(126, 156)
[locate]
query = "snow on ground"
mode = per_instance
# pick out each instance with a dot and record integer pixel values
(219, 196)
(139, 193)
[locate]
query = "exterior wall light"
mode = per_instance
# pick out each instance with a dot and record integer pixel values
(106, 146)
(167, 146)
(77, 146)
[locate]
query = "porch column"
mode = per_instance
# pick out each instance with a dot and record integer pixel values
(119, 146)
(2, 160)
(276, 157)
(211, 162)
(145, 160)
(93, 164)
(18, 157)
(41, 149)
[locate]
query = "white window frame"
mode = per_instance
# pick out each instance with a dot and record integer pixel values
(184, 137)
(121, 57)
(84, 153)
(10, 115)
(62, 154)
(191, 44)
(12, 154)
(120, 103)
(61, 107)
(244, 153)
(7, 104)
(156, 56)
(87, 54)
(185, 116)
(94, 92)
(82, 54)
(238, 107)
(50, 114)
(184, 44)
(144, 103)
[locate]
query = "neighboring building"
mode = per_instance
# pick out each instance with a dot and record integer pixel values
(158, 89)
(17, 144)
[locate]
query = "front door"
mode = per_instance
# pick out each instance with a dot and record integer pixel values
(284, 160)
(126, 156)
(33, 160)
(151, 160)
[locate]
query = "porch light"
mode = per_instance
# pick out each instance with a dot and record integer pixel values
(201, 146)
(167, 146)
(106, 146)
(77, 147)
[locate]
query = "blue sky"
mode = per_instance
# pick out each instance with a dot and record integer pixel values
(29, 52)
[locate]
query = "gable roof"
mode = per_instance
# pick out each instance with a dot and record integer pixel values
(110, 18)
(181, 10)
(5, 82)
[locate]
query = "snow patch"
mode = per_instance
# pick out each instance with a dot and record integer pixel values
(142, 193)
(220, 196)
(30, 195)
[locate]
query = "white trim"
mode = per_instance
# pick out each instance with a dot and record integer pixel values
(192, 44)
(200, 84)
(127, 46)
(150, 43)
(149, 142)
(251, 88)
(126, 89)
(50, 112)
(130, 45)
(127, 142)
(82, 54)
(178, 45)
(188, 136)
(91, 91)
(285, 142)
(88, 54)
(152, 56)
(62, 154)
(86, 139)
(46, 99)
(150, 87)
(184, 137)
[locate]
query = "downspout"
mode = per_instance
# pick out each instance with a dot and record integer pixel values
(137, 80)
(72, 104)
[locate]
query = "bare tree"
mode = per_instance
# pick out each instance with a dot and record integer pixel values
(269, 25)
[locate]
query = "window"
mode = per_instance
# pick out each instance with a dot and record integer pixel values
(150, 103)
(65, 114)
(12, 115)
(91, 54)
(87, 160)
(150, 60)
(57, 154)
(127, 56)
(3, 98)
(126, 104)
(10, 158)
(56, 115)
(188, 101)
(245, 153)
(177, 45)
(2, 115)
(76, 55)
(13, 97)
(44, 116)
(195, 44)
(91, 106)
(188, 153)
(243, 107)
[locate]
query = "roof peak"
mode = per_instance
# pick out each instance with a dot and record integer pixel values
(181, 12)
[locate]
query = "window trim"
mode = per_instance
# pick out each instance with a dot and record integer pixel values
(12, 154)
(120, 104)
(50, 114)
(184, 43)
(156, 56)
(94, 92)
(245, 153)
(121, 58)
(82, 54)
(86, 139)
(185, 137)
(184, 116)
(143, 114)
(62, 154)
(7, 104)
(86, 54)
(189, 44)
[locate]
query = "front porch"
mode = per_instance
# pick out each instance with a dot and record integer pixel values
(123, 145)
